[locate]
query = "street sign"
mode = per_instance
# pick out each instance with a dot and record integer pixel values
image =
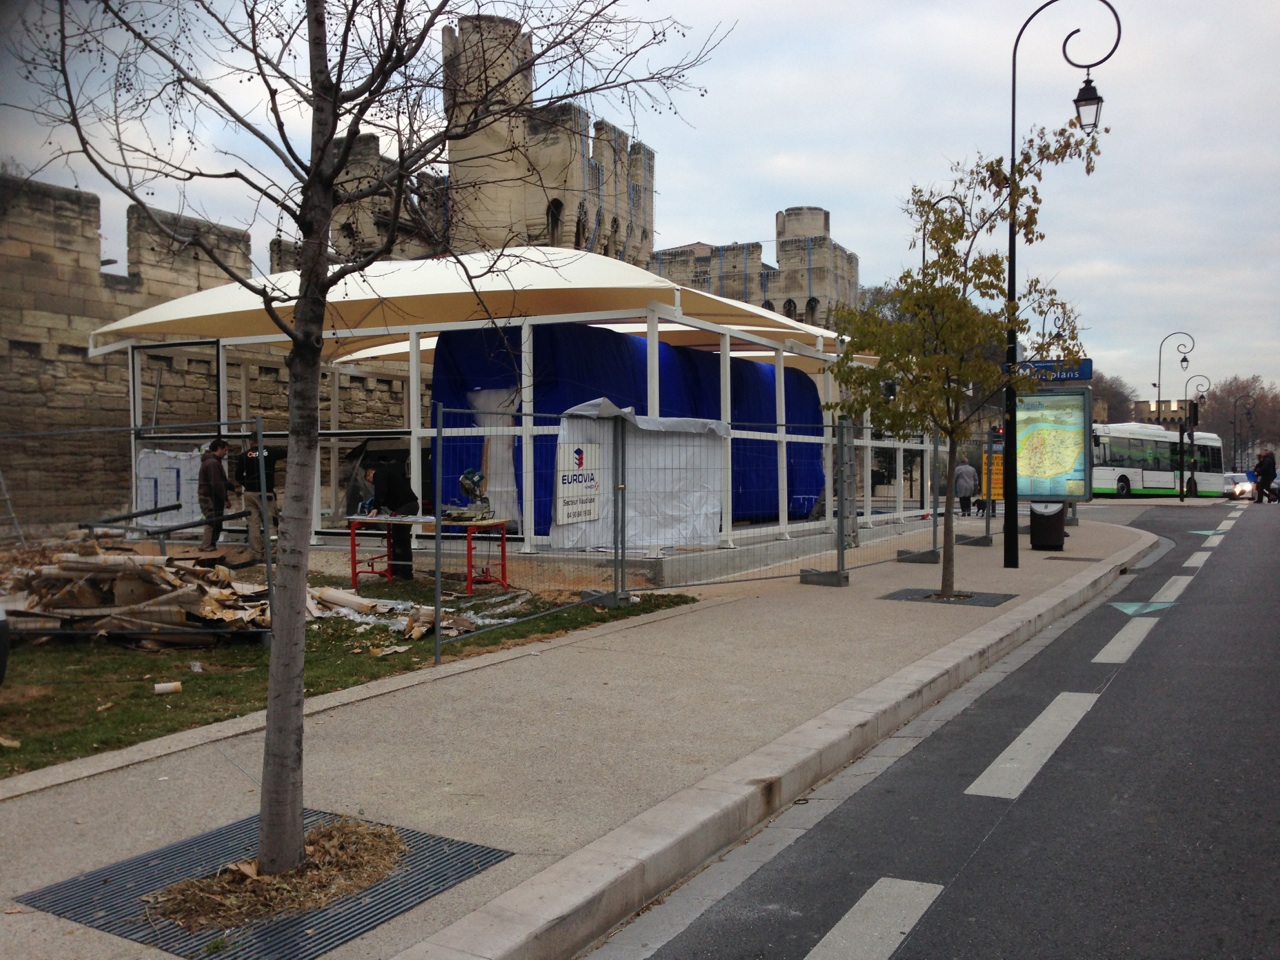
(1057, 370)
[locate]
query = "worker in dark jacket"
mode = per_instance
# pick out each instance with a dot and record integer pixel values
(257, 500)
(212, 490)
(392, 494)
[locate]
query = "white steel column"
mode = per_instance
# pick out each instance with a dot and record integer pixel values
(651, 346)
(339, 504)
(829, 448)
(897, 487)
(244, 393)
(526, 435)
(726, 414)
(926, 481)
(223, 414)
(135, 416)
(868, 486)
(413, 419)
(780, 414)
(317, 498)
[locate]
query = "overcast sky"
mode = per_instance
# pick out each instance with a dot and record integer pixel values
(844, 104)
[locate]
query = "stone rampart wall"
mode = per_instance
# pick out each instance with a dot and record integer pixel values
(54, 293)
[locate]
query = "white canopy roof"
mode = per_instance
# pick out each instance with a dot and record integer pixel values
(392, 298)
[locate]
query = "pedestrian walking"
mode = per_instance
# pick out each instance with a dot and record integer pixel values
(1266, 469)
(966, 485)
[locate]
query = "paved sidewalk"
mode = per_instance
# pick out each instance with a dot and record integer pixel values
(611, 762)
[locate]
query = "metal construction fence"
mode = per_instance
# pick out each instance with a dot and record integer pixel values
(615, 503)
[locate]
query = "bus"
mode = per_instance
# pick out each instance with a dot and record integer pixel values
(1141, 459)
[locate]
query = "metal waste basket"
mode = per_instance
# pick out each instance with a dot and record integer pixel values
(1048, 526)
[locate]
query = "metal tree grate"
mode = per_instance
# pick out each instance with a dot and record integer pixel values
(961, 598)
(109, 899)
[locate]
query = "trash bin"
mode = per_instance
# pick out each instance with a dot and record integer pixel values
(1048, 526)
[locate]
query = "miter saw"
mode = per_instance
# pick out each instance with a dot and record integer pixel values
(472, 484)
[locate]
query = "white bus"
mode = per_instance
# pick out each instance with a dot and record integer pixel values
(1141, 460)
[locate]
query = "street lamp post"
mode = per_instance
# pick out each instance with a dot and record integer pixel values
(1188, 427)
(1088, 108)
(1235, 431)
(1200, 390)
(924, 228)
(1184, 349)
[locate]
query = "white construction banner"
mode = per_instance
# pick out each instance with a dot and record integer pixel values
(675, 468)
(577, 482)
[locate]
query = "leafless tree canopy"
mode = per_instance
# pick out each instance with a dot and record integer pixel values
(188, 102)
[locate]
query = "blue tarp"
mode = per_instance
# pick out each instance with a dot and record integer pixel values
(574, 364)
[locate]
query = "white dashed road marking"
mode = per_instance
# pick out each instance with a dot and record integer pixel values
(1126, 641)
(877, 923)
(1009, 775)
(1171, 590)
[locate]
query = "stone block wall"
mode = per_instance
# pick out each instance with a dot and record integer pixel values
(54, 293)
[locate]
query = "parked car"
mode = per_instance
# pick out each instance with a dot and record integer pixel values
(1237, 486)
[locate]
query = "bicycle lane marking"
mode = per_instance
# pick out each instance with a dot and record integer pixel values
(1126, 641)
(1011, 772)
(878, 923)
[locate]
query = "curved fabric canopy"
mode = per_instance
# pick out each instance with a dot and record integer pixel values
(392, 298)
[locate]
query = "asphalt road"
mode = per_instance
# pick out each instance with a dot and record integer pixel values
(1117, 795)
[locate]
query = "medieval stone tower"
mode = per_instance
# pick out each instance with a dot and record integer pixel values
(814, 277)
(544, 175)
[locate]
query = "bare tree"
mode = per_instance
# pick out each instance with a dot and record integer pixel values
(268, 98)
(1245, 412)
(1116, 395)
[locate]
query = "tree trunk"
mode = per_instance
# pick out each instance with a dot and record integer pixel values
(280, 830)
(949, 525)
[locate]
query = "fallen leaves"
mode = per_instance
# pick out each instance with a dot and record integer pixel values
(341, 858)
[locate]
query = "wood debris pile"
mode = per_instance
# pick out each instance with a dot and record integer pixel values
(418, 621)
(162, 597)
(167, 600)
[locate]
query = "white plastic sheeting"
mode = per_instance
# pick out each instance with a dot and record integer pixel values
(493, 410)
(674, 471)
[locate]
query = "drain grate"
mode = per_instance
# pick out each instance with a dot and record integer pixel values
(961, 599)
(109, 899)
